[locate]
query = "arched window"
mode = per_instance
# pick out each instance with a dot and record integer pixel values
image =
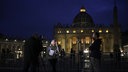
(74, 40)
(87, 40)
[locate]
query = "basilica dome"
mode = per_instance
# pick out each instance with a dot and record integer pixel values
(83, 19)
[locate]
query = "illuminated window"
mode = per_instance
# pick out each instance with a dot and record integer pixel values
(59, 42)
(87, 40)
(82, 31)
(100, 31)
(82, 40)
(46, 42)
(92, 30)
(18, 54)
(59, 32)
(74, 31)
(106, 31)
(67, 31)
(74, 40)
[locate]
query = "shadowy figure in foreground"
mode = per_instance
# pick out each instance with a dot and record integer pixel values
(3, 57)
(62, 52)
(95, 53)
(72, 55)
(32, 50)
(117, 57)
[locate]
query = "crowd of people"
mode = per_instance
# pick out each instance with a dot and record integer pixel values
(5, 55)
(33, 50)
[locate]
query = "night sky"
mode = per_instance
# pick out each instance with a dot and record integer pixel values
(22, 18)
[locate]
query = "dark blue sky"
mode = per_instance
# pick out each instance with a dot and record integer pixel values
(23, 17)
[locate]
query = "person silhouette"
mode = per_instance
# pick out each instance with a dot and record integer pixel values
(95, 53)
(32, 49)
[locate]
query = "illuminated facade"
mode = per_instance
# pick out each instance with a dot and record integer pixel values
(15, 46)
(78, 34)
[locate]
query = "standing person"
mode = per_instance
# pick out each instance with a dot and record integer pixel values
(3, 57)
(95, 53)
(72, 54)
(32, 50)
(53, 53)
(62, 52)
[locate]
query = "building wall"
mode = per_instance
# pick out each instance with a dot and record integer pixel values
(76, 36)
(16, 47)
(12, 47)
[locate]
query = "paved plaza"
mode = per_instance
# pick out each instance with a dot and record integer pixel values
(67, 65)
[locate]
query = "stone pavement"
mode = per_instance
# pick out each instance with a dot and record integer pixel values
(68, 65)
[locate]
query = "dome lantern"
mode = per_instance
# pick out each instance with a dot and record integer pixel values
(82, 9)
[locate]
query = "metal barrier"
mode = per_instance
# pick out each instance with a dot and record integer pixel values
(70, 63)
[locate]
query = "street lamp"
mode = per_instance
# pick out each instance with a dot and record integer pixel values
(15, 40)
(6, 39)
(24, 41)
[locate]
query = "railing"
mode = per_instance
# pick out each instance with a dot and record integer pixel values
(70, 63)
